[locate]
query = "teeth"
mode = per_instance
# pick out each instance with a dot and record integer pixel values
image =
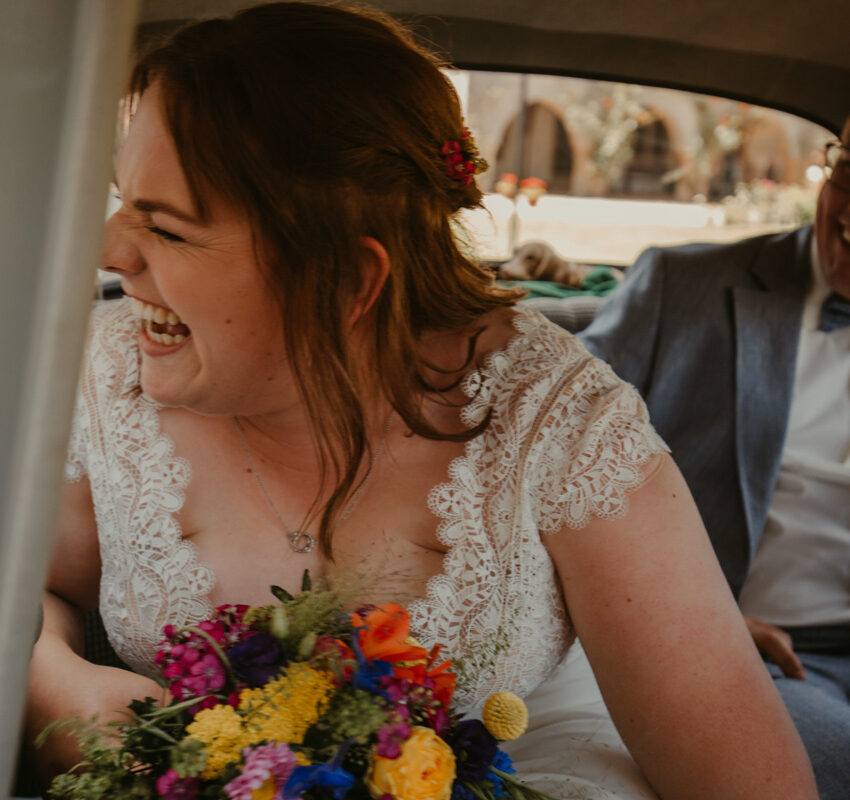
(153, 313)
(163, 338)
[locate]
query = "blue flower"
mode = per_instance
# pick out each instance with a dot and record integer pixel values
(368, 674)
(503, 763)
(329, 776)
(461, 791)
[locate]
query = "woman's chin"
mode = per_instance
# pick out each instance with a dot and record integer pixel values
(170, 388)
(190, 393)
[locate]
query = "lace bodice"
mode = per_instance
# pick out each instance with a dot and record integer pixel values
(566, 441)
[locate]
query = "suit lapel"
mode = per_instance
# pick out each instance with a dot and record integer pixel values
(767, 325)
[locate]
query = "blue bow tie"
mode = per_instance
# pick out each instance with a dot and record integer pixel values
(835, 313)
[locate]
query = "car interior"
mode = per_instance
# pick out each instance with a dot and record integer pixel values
(608, 127)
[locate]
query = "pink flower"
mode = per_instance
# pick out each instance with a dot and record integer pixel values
(391, 736)
(211, 670)
(264, 762)
(171, 786)
(215, 629)
(174, 670)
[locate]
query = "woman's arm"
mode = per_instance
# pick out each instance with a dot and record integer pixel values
(62, 684)
(677, 668)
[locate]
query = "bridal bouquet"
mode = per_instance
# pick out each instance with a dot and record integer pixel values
(301, 699)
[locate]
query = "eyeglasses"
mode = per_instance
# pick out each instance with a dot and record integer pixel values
(837, 164)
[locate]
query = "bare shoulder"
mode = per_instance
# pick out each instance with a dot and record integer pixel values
(670, 649)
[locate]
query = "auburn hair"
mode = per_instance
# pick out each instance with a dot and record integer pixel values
(324, 124)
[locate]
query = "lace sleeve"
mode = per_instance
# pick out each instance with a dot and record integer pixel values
(592, 446)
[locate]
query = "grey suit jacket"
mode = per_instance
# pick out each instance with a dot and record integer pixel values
(708, 334)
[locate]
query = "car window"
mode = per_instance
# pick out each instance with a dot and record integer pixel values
(601, 170)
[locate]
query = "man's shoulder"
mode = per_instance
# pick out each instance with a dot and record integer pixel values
(755, 260)
(730, 252)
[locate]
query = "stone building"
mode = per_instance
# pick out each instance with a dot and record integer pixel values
(599, 139)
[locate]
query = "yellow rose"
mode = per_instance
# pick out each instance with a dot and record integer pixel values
(425, 770)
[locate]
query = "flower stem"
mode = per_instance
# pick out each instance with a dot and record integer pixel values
(216, 647)
(525, 789)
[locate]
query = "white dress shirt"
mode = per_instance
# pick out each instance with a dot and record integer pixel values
(801, 571)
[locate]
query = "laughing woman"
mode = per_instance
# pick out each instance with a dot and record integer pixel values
(309, 373)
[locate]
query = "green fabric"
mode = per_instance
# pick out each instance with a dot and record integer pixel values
(599, 283)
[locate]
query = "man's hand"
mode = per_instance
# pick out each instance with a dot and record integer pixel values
(775, 644)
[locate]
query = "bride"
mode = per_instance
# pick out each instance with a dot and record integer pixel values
(308, 373)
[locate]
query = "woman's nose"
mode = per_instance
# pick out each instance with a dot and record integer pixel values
(120, 253)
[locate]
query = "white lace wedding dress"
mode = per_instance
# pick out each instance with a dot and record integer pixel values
(566, 441)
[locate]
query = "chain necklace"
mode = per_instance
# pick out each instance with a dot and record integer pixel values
(304, 541)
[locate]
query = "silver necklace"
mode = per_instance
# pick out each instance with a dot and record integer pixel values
(304, 541)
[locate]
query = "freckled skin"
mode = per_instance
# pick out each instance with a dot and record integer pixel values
(206, 272)
(832, 220)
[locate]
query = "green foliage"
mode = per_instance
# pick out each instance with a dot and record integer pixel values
(105, 771)
(352, 715)
(281, 594)
(149, 742)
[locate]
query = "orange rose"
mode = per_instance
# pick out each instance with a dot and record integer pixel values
(425, 770)
(386, 628)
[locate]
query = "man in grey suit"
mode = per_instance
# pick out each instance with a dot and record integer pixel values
(743, 357)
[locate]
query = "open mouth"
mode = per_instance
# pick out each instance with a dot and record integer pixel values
(161, 325)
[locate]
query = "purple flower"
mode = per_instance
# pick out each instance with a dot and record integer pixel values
(437, 717)
(171, 786)
(474, 748)
(256, 659)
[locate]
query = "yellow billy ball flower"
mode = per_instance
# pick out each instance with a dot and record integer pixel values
(425, 770)
(505, 716)
(283, 709)
(220, 730)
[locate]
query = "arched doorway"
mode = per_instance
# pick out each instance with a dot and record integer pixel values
(547, 152)
(652, 158)
(764, 151)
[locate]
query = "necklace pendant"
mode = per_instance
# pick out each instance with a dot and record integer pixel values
(301, 541)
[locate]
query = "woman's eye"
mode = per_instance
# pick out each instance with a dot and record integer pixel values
(166, 235)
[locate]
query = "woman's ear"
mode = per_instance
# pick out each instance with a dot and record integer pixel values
(374, 267)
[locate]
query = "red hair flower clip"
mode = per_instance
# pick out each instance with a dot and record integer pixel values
(462, 158)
